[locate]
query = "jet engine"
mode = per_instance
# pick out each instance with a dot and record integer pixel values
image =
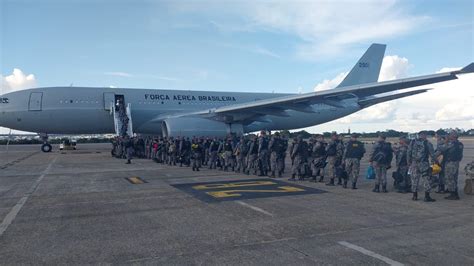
(197, 126)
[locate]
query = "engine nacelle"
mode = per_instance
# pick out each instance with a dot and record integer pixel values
(196, 126)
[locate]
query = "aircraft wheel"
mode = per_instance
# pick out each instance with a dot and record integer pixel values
(46, 147)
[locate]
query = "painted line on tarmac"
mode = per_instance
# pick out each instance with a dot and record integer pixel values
(16, 209)
(370, 253)
(254, 208)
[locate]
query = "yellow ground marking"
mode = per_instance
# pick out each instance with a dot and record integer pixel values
(237, 192)
(235, 184)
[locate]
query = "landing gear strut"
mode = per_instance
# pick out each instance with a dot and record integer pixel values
(46, 147)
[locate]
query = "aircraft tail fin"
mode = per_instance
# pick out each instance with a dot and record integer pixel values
(367, 69)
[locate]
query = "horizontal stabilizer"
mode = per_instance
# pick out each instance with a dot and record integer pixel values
(375, 100)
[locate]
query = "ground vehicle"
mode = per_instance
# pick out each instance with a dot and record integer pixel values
(68, 145)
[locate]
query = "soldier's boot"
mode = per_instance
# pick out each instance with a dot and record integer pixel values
(384, 188)
(440, 189)
(415, 196)
(345, 184)
(292, 177)
(331, 182)
(321, 179)
(453, 196)
(339, 181)
(428, 198)
(279, 173)
(233, 169)
(354, 185)
(313, 179)
(128, 162)
(194, 168)
(273, 174)
(376, 188)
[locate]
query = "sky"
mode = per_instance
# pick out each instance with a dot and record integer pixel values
(246, 45)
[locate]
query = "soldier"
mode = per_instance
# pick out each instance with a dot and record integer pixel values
(263, 157)
(293, 143)
(353, 152)
(240, 153)
(318, 158)
(128, 144)
(298, 155)
(252, 156)
(401, 162)
(213, 146)
(282, 156)
(419, 152)
(172, 150)
(381, 159)
(334, 152)
(196, 150)
(275, 147)
(441, 142)
(206, 144)
(228, 150)
(453, 153)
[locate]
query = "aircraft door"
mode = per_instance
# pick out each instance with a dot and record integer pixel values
(35, 102)
(109, 100)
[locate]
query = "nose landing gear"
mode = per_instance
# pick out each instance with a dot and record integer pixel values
(46, 147)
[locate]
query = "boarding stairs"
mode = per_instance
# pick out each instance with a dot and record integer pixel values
(122, 120)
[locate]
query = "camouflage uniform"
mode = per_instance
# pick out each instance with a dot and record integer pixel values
(453, 153)
(282, 156)
(240, 153)
(252, 157)
(263, 157)
(228, 155)
(353, 152)
(318, 160)
(276, 148)
(419, 152)
(214, 146)
(334, 151)
(402, 168)
(196, 155)
(381, 157)
(299, 154)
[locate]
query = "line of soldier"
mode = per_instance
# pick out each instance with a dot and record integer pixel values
(265, 155)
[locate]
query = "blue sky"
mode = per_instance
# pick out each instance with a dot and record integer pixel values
(284, 46)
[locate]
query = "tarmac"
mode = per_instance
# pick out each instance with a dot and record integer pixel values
(78, 207)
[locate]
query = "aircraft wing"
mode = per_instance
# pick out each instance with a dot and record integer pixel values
(301, 102)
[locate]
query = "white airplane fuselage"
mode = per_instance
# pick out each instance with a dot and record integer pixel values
(85, 110)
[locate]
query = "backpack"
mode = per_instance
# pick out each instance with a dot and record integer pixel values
(419, 151)
(332, 149)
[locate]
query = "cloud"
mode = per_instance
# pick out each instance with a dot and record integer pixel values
(323, 29)
(393, 67)
(119, 74)
(17, 81)
(327, 28)
(328, 84)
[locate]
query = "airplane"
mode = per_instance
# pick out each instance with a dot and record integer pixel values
(172, 113)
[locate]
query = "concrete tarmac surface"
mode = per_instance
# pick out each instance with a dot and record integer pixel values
(77, 207)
